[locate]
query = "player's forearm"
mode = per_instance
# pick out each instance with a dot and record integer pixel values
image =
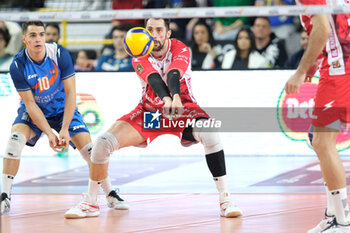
(317, 40)
(69, 109)
(158, 85)
(38, 117)
(173, 79)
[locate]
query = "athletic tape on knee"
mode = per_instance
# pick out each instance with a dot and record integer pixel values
(105, 144)
(15, 145)
(210, 140)
(86, 151)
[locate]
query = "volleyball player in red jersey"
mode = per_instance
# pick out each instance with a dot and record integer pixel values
(166, 82)
(328, 36)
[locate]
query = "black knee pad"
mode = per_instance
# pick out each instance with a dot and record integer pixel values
(216, 163)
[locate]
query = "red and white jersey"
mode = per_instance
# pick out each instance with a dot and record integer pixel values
(337, 50)
(177, 57)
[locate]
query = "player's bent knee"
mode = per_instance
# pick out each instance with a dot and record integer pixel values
(86, 151)
(210, 140)
(15, 145)
(105, 144)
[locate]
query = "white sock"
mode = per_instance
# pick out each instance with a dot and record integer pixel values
(221, 185)
(6, 184)
(93, 188)
(341, 207)
(330, 205)
(107, 185)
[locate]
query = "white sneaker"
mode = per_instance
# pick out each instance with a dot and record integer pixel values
(227, 208)
(5, 203)
(114, 201)
(338, 228)
(326, 223)
(86, 208)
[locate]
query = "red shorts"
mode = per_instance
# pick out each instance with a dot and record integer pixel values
(332, 101)
(174, 127)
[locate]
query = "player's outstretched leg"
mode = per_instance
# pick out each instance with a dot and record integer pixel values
(12, 156)
(216, 162)
(114, 201)
(324, 144)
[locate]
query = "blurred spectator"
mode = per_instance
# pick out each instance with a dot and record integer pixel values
(203, 49)
(178, 26)
(226, 28)
(52, 31)
(5, 58)
(86, 60)
(15, 45)
(119, 60)
(192, 22)
(244, 56)
(109, 48)
(53, 35)
(267, 44)
(283, 26)
(294, 60)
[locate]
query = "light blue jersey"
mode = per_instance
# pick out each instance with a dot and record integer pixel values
(44, 79)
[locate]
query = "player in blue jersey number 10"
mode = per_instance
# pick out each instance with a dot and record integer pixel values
(44, 77)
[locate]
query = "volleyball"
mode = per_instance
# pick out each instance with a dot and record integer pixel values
(138, 42)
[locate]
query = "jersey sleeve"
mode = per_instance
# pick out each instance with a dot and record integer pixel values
(17, 75)
(65, 63)
(143, 68)
(181, 57)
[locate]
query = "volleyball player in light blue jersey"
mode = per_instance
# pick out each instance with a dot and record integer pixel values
(44, 77)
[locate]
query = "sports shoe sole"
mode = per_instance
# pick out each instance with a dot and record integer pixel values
(233, 214)
(119, 206)
(74, 216)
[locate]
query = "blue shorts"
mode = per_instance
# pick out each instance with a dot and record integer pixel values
(77, 124)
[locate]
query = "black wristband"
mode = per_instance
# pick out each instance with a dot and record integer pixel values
(158, 86)
(173, 79)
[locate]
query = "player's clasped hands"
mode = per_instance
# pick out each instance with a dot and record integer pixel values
(173, 108)
(59, 141)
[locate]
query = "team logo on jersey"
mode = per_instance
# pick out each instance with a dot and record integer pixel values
(151, 120)
(336, 64)
(295, 114)
(139, 68)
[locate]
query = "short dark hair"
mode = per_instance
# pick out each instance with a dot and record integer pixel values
(25, 25)
(54, 25)
(121, 27)
(262, 17)
(6, 35)
(166, 22)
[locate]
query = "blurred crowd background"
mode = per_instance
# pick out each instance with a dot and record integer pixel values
(276, 42)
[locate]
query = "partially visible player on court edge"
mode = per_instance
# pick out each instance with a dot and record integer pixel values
(165, 75)
(328, 36)
(44, 77)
